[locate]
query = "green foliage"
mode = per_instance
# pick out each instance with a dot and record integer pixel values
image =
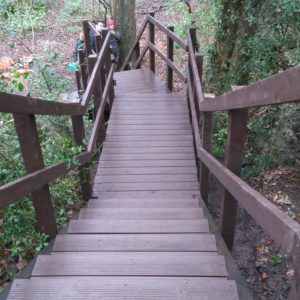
(46, 83)
(220, 134)
(19, 17)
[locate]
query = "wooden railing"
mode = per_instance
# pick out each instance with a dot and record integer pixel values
(151, 22)
(96, 81)
(277, 89)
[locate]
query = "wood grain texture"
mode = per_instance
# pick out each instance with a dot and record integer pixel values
(135, 242)
(146, 178)
(138, 226)
(140, 213)
(108, 288)
(205, 264)
(146, 186)
(146, 171)
(142, 203)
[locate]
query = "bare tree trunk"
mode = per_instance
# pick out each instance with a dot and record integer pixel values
(124, 15)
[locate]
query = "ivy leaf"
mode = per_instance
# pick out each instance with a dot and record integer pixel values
(20, 86)
(11, 45)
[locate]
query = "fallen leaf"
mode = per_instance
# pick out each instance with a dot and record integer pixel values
(22, 263)
(290, 273)
(264, 276)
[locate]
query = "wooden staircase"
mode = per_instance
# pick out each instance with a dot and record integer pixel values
(143, 234)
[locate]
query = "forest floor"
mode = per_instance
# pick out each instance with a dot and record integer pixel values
(267, 271)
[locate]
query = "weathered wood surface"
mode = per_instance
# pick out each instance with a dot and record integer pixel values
(143, 235)
(150, 288)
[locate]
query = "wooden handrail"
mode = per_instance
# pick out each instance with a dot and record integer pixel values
(166, 60)
(161, 27)
(15, 190)
(280, 88)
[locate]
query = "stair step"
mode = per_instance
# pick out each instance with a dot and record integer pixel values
(119, 288)
(138, 226)
(135, 242)
(142, 203)
(207, 264)
(141, 213)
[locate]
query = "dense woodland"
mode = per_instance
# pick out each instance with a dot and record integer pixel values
(242, 41)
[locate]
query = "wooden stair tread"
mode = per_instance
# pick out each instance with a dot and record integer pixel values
(142, 203)
(141, 213)
(146, 171)
(206, 264)
(138, 226)
(107, 288)
(146, 178)
(135, 242)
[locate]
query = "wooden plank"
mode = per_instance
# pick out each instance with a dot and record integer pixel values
(146, 156)
(237, 127)
(146, 163)
(139, 111)
(146, 150)
(146, 186)
(206, 264)
(138, 226)
(142, 203)
(135, 242)
(140, 213)
(150, 195)
(160, 127)
(150, 144)
(279, 88)
(148, 118)
(148, 122)
(145, 171)
(146, 178)
(125, 132)
(120, 288)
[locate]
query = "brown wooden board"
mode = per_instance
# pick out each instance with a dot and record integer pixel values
(148, 195)
(117, 288)
(140, 213)
(148, 144)
(146, 163)
(206, 264)
(122, 127)
(146, 178)
(145, 171)
(138, 226)
(135, 242)
(146, 186)
(147, 156)
(145, 150)
(143, 203)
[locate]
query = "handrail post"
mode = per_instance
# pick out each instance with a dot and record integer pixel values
(86, 31)
(84, 173)
(233, 161)
(295, 288)
(82, 68)
(33, 160)
(137, 54)
(170, 51)
(152, 40)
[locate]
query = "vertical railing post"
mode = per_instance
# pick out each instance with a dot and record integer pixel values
(33, 160)
(152, 40)
(86, 31)
(137, 54)
(170, 53)
(82, 68)
(233, 161)
(295, 288)
(84, 173)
